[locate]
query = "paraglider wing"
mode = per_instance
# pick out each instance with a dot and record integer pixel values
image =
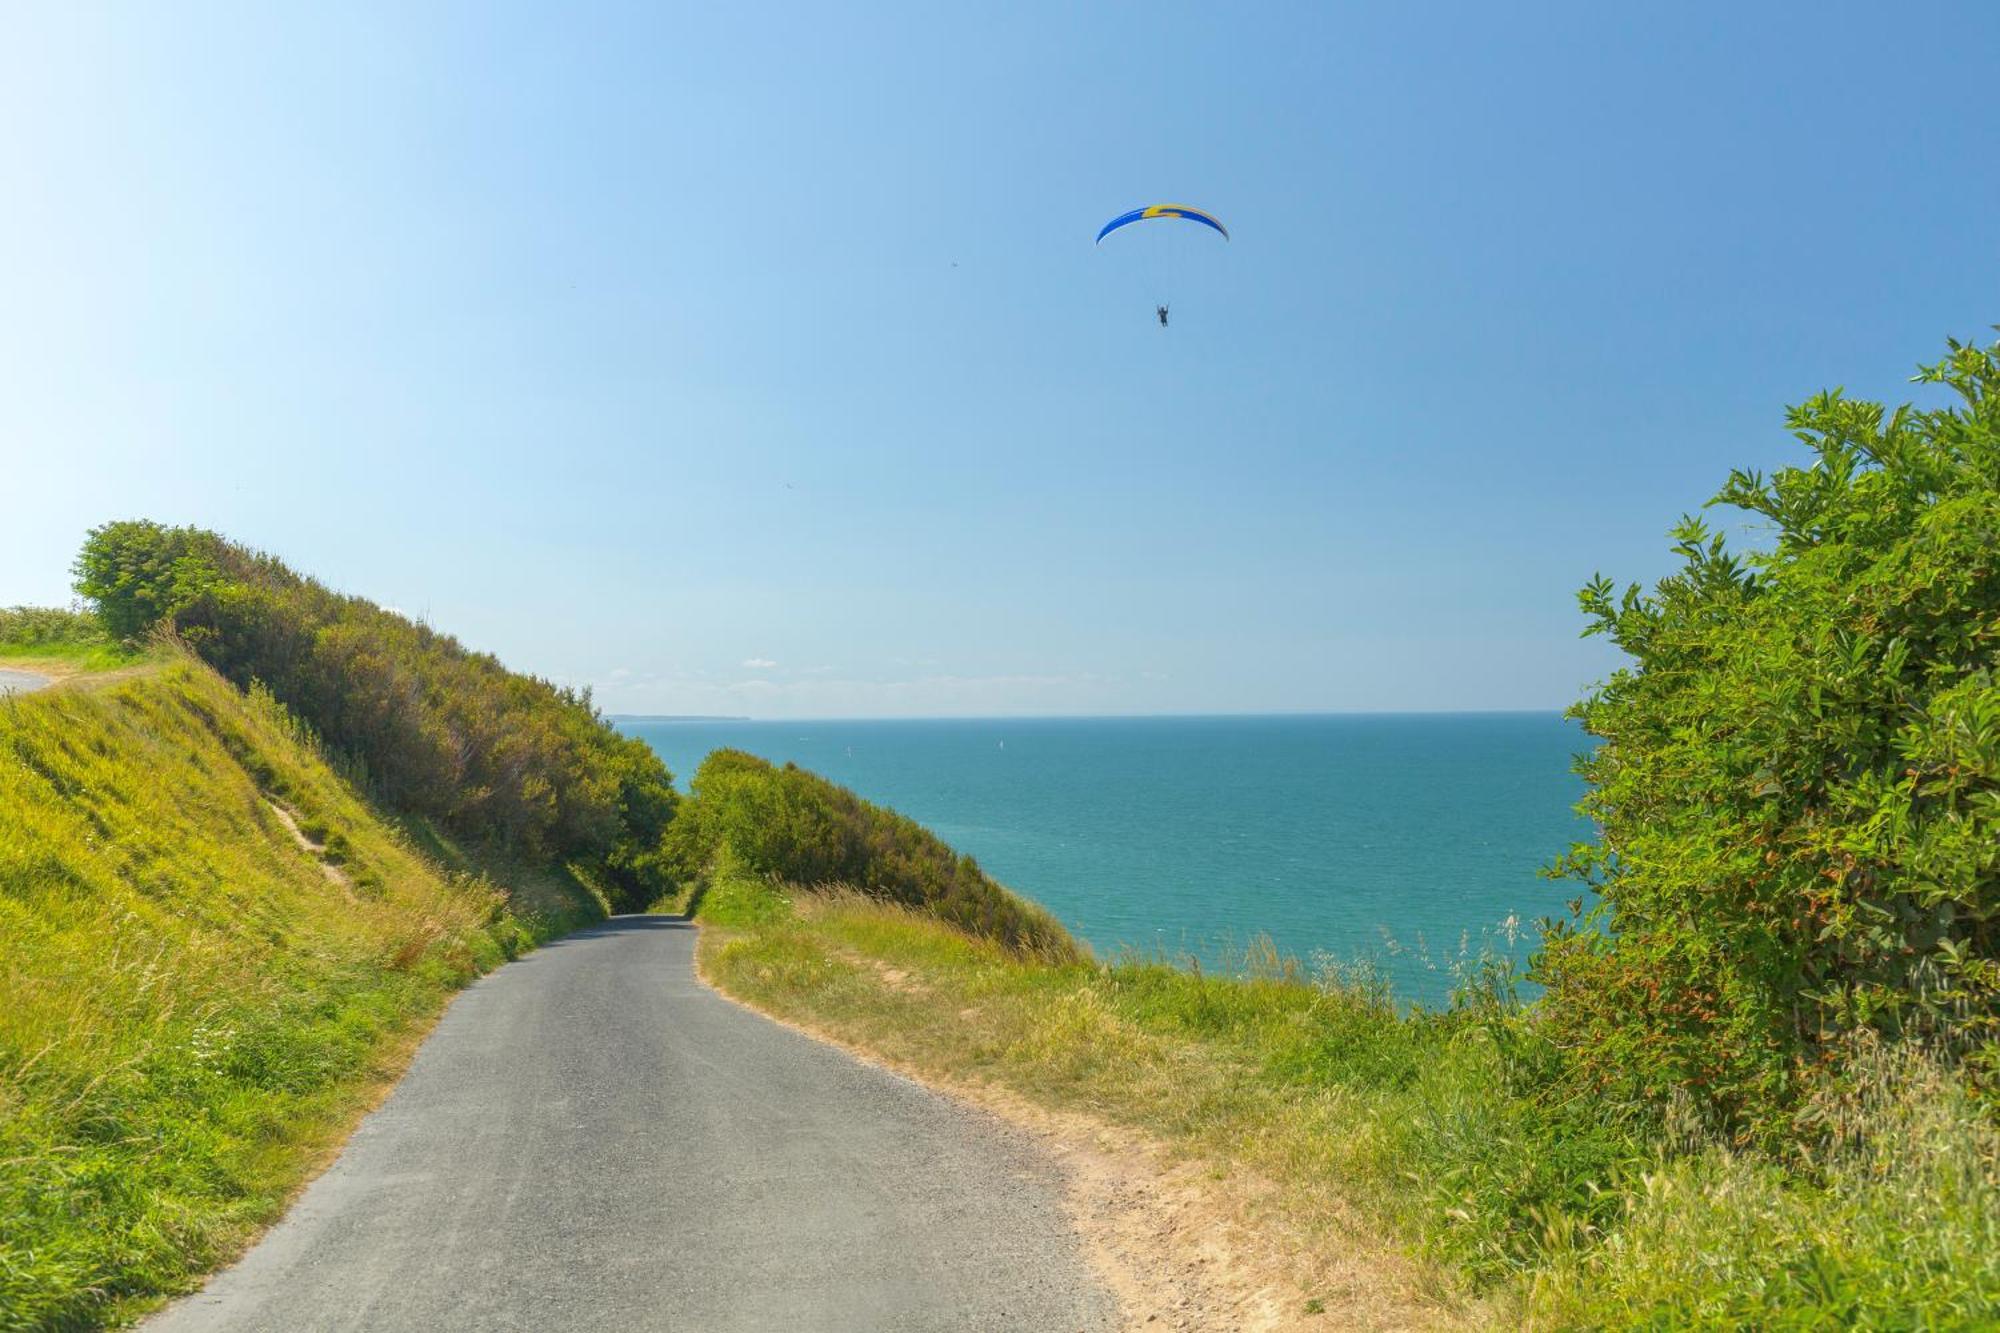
(1153, 211)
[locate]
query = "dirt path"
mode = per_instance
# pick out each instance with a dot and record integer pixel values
(22, 675)
(334, 874)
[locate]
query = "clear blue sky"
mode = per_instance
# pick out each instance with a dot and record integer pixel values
(756, 359)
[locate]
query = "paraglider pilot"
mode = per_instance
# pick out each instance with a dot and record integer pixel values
(1163, 316)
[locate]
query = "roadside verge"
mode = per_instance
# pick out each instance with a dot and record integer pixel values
(1167, 1182)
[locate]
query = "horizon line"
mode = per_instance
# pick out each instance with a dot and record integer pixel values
(1099, 717)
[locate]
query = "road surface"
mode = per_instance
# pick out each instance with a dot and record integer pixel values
(591, 1139)
(20, 682)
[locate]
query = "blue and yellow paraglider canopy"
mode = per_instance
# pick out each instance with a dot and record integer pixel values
(1152, 211)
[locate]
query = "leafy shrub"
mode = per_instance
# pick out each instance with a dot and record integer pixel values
(71, 635)
(794, 825)
(139, 573)
(1799, 782)
(40, 626)
(735, 898)
(433, 729)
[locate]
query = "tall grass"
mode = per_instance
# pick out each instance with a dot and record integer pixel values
(1896, 1224)
(192, 1003)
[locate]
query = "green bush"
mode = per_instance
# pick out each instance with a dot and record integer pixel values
(430, 728)
(788, 824)
(736, 899)
(1798, 786)
(139, 573)
(42, 626)
(54, 633)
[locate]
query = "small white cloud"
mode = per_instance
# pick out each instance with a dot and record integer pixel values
(759, 663)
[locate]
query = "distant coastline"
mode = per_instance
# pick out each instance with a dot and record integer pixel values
(675, 717)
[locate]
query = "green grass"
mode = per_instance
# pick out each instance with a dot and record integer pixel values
(194, 1010)
(99, 657)
(30, 634)
(733, 897)
(1898, 1227)
(1442, 1132)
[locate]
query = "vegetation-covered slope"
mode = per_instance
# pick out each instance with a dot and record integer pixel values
(212, 953)
(426, 726)
(790, 825)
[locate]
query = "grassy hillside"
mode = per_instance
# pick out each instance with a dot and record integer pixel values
(427, 726)
(792, 825)
(213, 955)
(1447, 1135)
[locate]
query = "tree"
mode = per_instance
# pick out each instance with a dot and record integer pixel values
(140, 572)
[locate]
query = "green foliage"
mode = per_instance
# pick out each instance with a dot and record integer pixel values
(194, 1008)
(788, 824)
(1799, 782)
(433, 729)
(735, 898)
(51, 632)
(139, 573)
(40, 626)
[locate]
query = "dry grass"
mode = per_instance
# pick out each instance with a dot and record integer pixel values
(1205, 1189)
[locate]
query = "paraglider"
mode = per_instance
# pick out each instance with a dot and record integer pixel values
(1153, 211)
(1163, 213)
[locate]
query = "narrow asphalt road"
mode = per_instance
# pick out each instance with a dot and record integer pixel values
(592, 1139)
(20, 682)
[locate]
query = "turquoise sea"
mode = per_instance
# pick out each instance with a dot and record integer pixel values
(1404, 839)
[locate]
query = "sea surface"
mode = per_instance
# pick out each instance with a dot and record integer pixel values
(1407, 841)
